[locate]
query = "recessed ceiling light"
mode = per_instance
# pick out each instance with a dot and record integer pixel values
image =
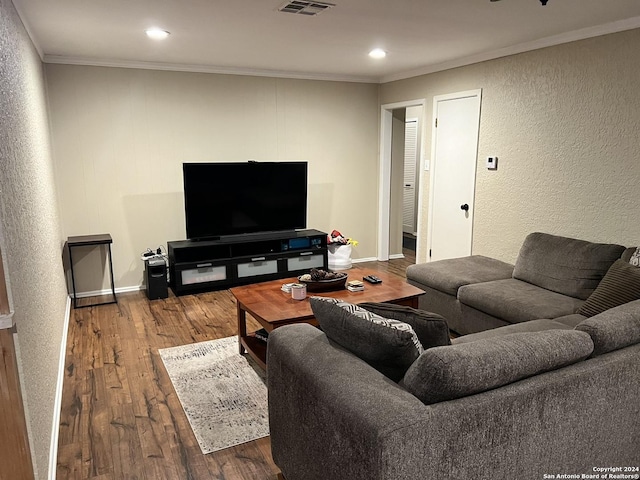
(377, 53)
(157, 33)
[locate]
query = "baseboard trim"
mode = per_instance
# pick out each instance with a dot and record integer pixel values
(57, 407)
(395, 256)
(362, 260)
(95, 293)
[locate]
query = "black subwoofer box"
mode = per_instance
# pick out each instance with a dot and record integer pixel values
(155, 275)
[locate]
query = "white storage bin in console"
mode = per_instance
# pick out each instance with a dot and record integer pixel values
(304, 262)
(204, 274)
(257, 268)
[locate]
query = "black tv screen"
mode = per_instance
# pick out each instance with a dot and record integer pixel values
(233, 198)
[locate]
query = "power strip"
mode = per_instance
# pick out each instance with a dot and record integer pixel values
(153, 256)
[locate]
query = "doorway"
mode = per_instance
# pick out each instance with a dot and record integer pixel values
(399, 188)
(411, 178)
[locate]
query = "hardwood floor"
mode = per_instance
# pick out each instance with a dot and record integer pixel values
(120, 416)
(15, 457)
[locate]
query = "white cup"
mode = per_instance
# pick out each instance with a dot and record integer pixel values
(298, 291)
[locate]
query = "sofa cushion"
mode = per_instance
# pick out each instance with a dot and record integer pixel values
(449, 275)
(446, 373)
(387, 345)
(516, 301)
(613, 329)
(540, 325)
(565, 265)
(570, 320)
(620, 285)
(432, 329)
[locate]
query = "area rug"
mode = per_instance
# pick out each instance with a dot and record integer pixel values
(223, 393)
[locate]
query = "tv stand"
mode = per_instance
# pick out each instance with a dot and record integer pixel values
(204, 265)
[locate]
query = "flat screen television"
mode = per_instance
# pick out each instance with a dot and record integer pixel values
(223, 199)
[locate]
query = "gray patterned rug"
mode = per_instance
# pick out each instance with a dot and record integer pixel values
(223, 393)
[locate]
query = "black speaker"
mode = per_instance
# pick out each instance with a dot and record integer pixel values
(155, 275)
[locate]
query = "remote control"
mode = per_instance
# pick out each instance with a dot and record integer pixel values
(372, 279)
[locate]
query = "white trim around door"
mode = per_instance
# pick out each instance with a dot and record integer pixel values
(384, 178)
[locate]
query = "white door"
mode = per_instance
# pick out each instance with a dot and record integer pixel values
(409, 182)
(453, 177)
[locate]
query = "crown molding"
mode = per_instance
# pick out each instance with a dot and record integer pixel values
(582, 34)
(69, 60)
(576, 35)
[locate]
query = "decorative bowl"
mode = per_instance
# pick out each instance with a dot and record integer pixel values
(325, 285)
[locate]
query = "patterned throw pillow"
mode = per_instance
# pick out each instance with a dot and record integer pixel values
(388, 345)
(635, 258)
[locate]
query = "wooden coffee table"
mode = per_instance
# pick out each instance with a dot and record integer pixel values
(273, 308)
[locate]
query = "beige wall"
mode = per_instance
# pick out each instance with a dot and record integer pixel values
(564, 122)
(120, 137)
(30, 228)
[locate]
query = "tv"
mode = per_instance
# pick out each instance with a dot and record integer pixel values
(224, 199)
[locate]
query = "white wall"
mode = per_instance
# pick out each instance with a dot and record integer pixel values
(120, 137)
(30, 228)
(564, 122)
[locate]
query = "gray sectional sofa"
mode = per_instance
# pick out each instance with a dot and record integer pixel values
(552, 278)
(536, 391)
(505, 404)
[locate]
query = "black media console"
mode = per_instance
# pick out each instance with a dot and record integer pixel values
(197, 266)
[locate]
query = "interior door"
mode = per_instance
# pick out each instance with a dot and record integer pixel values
(454, 154)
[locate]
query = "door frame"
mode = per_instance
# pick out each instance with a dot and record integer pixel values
(384, 178)
(432, 177)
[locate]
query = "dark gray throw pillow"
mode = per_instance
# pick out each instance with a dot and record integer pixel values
(432, 329)
(446, 373)
(620, 285)
(387, 345)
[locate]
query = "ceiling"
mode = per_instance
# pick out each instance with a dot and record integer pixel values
(253, 37)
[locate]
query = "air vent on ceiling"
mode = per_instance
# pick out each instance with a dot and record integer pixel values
(303, 7)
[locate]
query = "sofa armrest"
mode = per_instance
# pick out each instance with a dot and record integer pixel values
(333, 416)
(326, 403)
